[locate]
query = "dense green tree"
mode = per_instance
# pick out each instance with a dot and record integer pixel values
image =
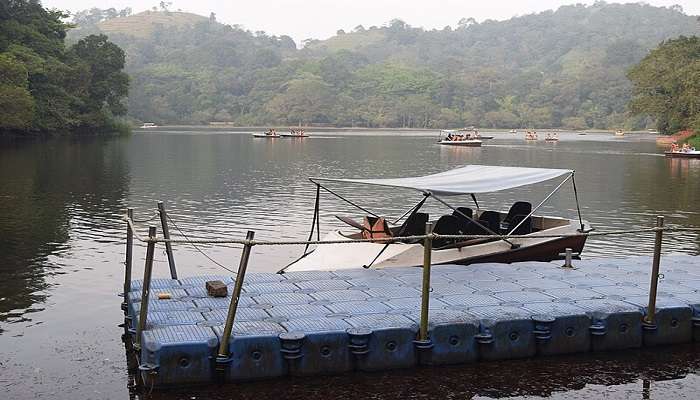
(667, 85)
(15, 100)
(45, 87)
(563, 68)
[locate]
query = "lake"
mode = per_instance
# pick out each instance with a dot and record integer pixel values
(62, 243)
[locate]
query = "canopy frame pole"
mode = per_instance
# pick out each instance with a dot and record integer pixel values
(541, 203)
(313, 221)
(344, 199)
(578, 207)
(413, 211)
(513, 245)
(476, 203)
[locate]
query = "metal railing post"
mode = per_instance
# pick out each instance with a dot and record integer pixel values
(146, 286)
(129, 258)
(567, 258)
(425, 296)
(223, 356)
(651, 310)
(166, 235)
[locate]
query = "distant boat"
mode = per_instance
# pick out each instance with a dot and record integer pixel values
(513, 131)
(530, 135)
(459, 138)
(147, 125)
(271, 134)
(619, 132)
(551, 137)
(296, 133)
(682, 152)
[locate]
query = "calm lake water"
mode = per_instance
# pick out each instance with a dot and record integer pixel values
(62, 242)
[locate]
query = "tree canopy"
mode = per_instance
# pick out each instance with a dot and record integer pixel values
(667, 85)
(564, 68)
(46, 87)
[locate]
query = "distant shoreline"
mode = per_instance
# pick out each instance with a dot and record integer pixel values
(223, 127)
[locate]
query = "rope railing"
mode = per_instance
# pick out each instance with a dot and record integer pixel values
(398, 239)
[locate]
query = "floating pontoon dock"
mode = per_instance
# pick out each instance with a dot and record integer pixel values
(310, 323)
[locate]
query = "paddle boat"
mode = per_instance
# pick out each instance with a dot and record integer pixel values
(459, 138)
(551, 137)
(295, 133)
(619, 132)
(530, 135)
(448, 189)
(270, 134)
(513, 131)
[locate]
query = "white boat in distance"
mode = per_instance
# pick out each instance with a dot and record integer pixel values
(460, 220)
(148, 125)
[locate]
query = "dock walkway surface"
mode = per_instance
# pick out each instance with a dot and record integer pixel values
(312, 323)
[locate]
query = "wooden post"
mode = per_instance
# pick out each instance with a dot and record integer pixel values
(222, 358)
(425, 297)
(651, 309)
(146, 286)
(129, 257)
(166, 235)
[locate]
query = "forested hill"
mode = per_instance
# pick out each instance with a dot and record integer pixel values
(563, 68)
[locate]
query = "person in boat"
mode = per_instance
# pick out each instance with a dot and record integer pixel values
(674, 147)
(686, 148)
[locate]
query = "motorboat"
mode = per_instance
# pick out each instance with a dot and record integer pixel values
(447, 188)
(513, 131)
(459, 138)
(683, 152)
(148, 125)
(619, 132)
(270, 134)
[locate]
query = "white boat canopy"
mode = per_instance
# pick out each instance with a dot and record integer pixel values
(468, 179)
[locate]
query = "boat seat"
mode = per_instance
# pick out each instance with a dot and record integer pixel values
(525, 228)
(463, 222)
(446, 225)
(518, 208)
(490, 220)
(414, 225)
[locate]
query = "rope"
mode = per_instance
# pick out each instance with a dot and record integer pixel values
(142, 221)
(187, 240)
(433, 236)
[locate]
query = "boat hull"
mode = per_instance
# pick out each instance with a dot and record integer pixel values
(264, 136)
(695, 154)
(547, 251)
(354, 255)
(462, 143)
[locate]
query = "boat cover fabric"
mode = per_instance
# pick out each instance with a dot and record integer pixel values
(465, 180)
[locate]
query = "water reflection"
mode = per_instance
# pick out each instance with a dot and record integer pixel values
(640, 374)
(47, 190)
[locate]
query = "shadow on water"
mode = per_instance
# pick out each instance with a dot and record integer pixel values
(43, 188)
(576, 376)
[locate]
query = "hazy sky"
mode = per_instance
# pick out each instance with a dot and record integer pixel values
(320, 19)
